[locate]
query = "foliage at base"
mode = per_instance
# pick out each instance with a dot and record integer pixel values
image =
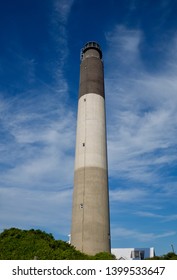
(17, 244)
(168, 256)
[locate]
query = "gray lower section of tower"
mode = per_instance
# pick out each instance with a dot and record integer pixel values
(90, 224)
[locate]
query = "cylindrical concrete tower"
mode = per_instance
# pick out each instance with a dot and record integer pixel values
(90, 231)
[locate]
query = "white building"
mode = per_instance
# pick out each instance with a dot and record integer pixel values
(133, 253)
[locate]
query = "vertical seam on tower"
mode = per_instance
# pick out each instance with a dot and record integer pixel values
(84, 173)
(85, 118)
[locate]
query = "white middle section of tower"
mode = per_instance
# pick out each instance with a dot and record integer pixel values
(91, 132)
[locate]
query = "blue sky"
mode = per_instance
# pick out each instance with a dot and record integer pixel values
(39, 79)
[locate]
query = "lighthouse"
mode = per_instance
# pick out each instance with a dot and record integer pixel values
(90, 229)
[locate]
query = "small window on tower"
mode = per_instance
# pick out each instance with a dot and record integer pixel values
(83, 144)
(84, 99)
(81, 206)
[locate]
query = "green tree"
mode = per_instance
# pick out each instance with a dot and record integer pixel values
(168, 256)
(17, 244)
(104, 256)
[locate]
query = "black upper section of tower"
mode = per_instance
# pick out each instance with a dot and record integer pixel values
(91, 70)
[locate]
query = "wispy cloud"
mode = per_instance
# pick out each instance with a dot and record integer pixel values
(63, 7)
(123, 195)
(164, 218)
(142, 120)
(34, 209)
(37, 137)
(142, 131)
(59, 20)
(140, 236)
(40, 141)
(124, 45)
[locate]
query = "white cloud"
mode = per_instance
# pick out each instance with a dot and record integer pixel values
(165, 218)
(118, 232)
(122, 195)
(63, 7)
(124, 44)
(39, 145)
(31, 208)
(37, 142)
(141, 110)
(37, 162)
